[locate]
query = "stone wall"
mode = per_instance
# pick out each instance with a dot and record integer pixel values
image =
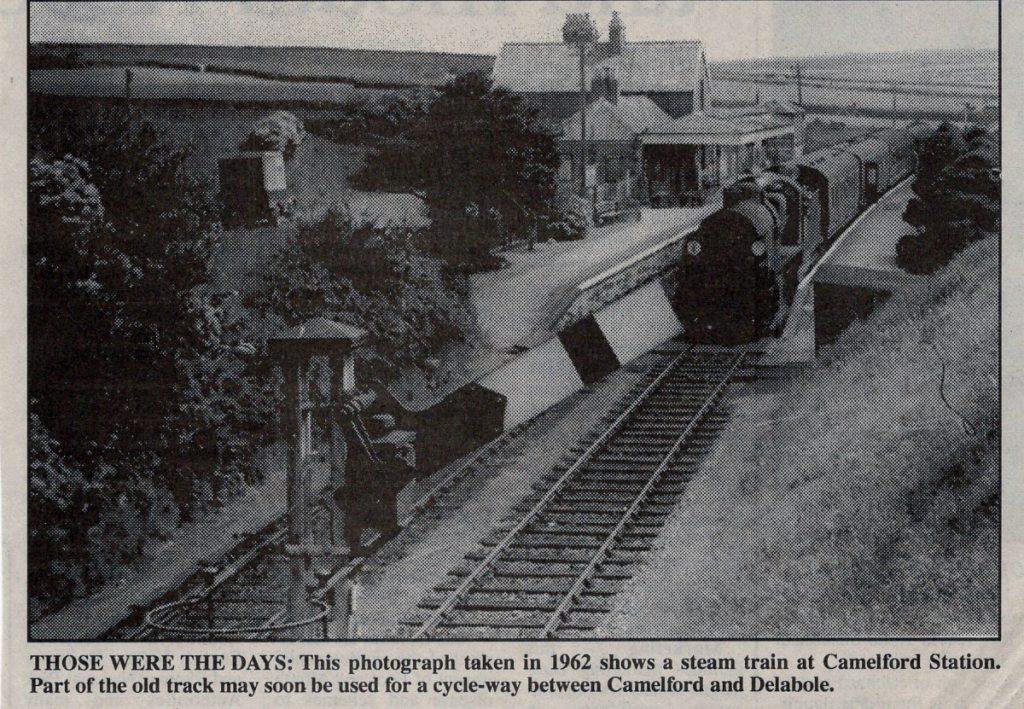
(594, 294)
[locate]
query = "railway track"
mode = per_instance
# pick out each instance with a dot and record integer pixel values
(243, 595)
(555, 572)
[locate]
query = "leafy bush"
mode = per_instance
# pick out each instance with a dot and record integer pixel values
(370, 121)
(482, 163)
(133, 385)
(374, 277)
(957, 202)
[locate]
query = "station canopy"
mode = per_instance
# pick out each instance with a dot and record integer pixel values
(638, 117)
(701, 128)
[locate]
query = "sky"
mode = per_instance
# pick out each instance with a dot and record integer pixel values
(729, 30)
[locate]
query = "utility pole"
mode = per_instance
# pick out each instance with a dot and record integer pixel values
(799, 85)
(583, 120)
(580, 31)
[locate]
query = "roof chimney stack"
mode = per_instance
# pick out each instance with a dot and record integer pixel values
(616, 34)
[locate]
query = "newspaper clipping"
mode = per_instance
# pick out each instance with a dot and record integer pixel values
(510, 354)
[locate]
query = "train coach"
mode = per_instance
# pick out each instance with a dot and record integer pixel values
(740, 268)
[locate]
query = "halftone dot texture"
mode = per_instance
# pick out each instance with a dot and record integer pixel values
(854, 498)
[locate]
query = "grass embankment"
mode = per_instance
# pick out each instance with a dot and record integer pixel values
(852, 501)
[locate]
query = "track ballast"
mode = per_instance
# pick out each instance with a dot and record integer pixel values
(555, 572)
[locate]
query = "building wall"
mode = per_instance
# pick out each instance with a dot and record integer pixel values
(612, 160)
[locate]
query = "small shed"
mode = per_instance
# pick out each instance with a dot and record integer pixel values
(253, 187)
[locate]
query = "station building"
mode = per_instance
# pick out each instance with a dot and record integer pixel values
(649, 119)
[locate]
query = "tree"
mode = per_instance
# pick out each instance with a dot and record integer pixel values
(132, 380)
(376, 278)
(480, 161)
(957, 198)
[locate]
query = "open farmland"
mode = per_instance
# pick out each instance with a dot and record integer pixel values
(922, 83)
(962, 68)
(163, 83)
(373, 68)
(824, 96)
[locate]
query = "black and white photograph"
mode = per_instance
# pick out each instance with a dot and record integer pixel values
(514, 321)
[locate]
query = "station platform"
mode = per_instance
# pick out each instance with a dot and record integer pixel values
(518, 307)
(857, 273)
(865, 255)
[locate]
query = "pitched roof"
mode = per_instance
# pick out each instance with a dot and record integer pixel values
(642, 66)
(620, 121)
(701, 123)
(776, 107)
(320, 331)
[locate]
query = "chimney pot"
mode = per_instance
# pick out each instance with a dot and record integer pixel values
(616, 34)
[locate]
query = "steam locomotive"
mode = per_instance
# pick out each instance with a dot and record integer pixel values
(740, 269)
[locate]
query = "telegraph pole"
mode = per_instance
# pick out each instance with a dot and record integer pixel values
(583, 120)
(579, 30)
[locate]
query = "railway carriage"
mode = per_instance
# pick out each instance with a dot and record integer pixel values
(834, 174)
(874, 169)
(740, 268)
(901, 150)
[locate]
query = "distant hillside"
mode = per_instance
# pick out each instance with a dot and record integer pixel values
(363, 67)
(957, 67)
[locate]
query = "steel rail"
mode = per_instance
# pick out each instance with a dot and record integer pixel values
(153, 622)
(559, 615)
(267, 626)
(453, 599)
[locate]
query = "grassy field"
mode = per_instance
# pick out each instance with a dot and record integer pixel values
(361, 66)
(962, 68)
(162, 83)
(851, 99)
(929, 82)
(318, 172)
(923, 84)
(851, 501)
